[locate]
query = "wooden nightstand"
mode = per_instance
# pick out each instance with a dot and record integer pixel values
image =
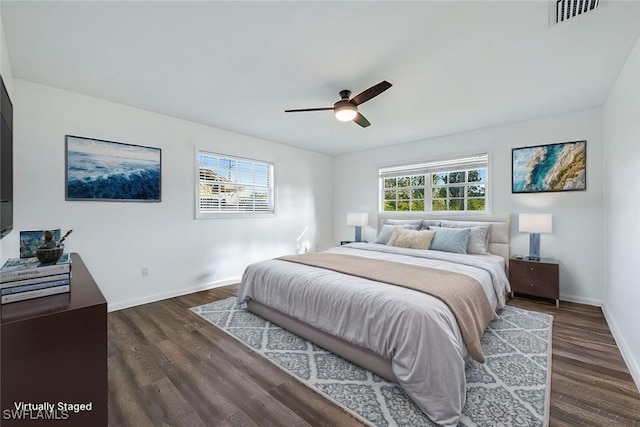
(537, 278)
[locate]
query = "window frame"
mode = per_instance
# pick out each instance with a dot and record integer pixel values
(426, 170)
(200, 214)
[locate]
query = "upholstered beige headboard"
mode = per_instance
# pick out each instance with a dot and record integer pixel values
(498, 237)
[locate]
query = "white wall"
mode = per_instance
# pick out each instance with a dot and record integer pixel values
(621, 126)
(5, 65)
(116, 239)
(577, 237)
(7, 78)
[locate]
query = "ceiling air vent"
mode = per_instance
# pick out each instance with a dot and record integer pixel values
(569, 9)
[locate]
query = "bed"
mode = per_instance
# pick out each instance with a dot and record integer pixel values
(403, 335)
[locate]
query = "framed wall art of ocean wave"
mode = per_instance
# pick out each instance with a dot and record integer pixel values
(111, 171)
(549, 167)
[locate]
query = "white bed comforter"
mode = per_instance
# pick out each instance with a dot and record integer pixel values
(416, 331)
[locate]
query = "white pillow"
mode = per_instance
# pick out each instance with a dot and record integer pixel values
(413, 239)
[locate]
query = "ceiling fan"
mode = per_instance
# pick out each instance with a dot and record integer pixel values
(347, 109)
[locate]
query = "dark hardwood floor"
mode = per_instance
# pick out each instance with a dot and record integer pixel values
(168, 367)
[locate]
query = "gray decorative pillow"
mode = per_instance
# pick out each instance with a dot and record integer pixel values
(426, 223)
(416, 222)
(388, 229)
(450, 239)
(479, 240)
(413, 239)
(412, 222)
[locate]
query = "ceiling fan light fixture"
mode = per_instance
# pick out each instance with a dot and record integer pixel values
(345, 111)
(347, 108)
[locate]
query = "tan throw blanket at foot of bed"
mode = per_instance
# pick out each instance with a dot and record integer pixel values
(462, 294)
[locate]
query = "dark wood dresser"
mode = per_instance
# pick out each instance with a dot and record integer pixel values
(536, 278)
(54, 351)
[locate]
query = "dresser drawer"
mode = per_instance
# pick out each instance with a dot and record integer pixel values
(533, 270)
(536, 287)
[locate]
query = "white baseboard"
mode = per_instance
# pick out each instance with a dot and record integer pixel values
(175, 293)
(581, 300)
(632, 364)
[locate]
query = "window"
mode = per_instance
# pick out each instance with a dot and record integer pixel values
(233, 185)
(450, 185)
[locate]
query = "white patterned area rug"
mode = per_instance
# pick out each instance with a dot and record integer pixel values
(511, 389)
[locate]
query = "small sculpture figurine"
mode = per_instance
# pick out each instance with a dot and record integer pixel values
(48, 241)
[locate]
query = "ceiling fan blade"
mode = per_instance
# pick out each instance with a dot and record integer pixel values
(370, 93)
(308, 109)
(361, 120)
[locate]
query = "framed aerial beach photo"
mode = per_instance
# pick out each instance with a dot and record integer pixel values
(550, 167)
(111, 171)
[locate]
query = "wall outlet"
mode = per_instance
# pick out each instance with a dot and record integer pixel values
(145, 271)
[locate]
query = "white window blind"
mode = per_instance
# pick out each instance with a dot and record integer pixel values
(233, 185)
(459, 184)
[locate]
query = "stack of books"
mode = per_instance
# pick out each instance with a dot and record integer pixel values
(26, 278)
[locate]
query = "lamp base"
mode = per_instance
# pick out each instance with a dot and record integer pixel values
(534, 247)
(358, 233)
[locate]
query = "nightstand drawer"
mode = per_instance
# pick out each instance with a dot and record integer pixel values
(533, 286)
(533, 270)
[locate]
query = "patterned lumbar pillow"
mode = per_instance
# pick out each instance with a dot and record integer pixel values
(414, 239)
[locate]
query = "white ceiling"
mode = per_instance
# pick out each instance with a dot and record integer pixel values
(455, 66)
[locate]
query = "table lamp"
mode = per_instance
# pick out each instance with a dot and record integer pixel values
(358, 219)
(534, 224)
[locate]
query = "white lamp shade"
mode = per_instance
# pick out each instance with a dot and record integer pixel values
(357, 218)
(534, 223)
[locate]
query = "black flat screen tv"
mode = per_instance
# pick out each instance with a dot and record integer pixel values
(6, 162)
